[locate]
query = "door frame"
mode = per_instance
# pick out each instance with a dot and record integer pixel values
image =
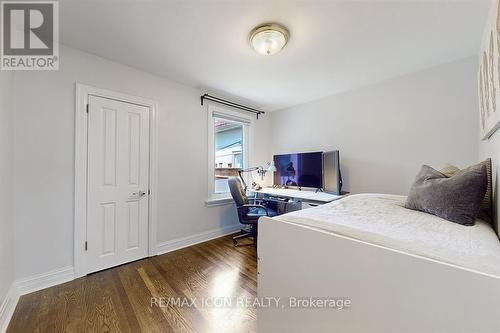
(81, 157)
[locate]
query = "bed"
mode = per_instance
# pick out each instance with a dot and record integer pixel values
(402, 270)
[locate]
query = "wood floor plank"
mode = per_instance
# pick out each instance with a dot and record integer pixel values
(130, 320)
(150, 318)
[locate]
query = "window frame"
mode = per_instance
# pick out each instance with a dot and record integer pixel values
(213, 198)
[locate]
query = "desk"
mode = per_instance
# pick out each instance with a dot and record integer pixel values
(296, 199)
(321, 197)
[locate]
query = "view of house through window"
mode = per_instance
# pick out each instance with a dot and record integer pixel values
(228, 140)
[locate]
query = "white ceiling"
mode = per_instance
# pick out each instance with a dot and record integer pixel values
(334, 45)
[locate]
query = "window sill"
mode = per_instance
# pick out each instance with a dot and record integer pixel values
(219, 202)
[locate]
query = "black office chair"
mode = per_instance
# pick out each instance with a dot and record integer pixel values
(248, 214)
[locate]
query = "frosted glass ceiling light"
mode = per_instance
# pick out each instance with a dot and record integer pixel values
(269, 38)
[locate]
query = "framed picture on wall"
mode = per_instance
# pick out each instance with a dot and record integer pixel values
(489, 78)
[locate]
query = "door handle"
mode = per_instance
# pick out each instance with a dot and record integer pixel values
(139, 194)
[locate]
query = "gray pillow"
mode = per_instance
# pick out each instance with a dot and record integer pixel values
(456, 199)
(486, 211)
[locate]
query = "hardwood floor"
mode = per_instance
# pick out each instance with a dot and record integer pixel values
(119, 299)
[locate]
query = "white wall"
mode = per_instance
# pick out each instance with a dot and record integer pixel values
(44, 163)
(6, 174)
(491, 147)
(385, 132)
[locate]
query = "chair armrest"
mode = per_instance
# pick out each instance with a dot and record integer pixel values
(255, 206)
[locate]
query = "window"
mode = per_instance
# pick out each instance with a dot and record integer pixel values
(228, 145)
(228, 148)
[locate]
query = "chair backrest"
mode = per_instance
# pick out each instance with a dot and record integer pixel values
(237, 191)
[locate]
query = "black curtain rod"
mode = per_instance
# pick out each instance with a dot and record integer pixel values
(231, 104)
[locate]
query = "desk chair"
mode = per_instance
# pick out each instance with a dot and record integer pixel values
(248, 214)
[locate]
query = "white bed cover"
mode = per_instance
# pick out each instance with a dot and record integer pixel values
(381, 219)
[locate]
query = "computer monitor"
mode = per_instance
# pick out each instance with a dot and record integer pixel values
(299, 170)
(332, 178)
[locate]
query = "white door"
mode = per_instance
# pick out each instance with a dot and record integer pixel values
(118, 178)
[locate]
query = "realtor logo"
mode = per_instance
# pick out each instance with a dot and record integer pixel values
(29, 35)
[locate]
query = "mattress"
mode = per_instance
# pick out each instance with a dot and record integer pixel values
(381, 219)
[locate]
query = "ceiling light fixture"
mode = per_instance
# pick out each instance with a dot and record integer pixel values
(269, 38)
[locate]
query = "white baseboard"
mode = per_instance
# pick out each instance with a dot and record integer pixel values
(45, 280)
(28, 285)
(8, 306)
(183, 242)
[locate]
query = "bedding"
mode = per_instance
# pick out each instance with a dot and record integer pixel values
(381, 219)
